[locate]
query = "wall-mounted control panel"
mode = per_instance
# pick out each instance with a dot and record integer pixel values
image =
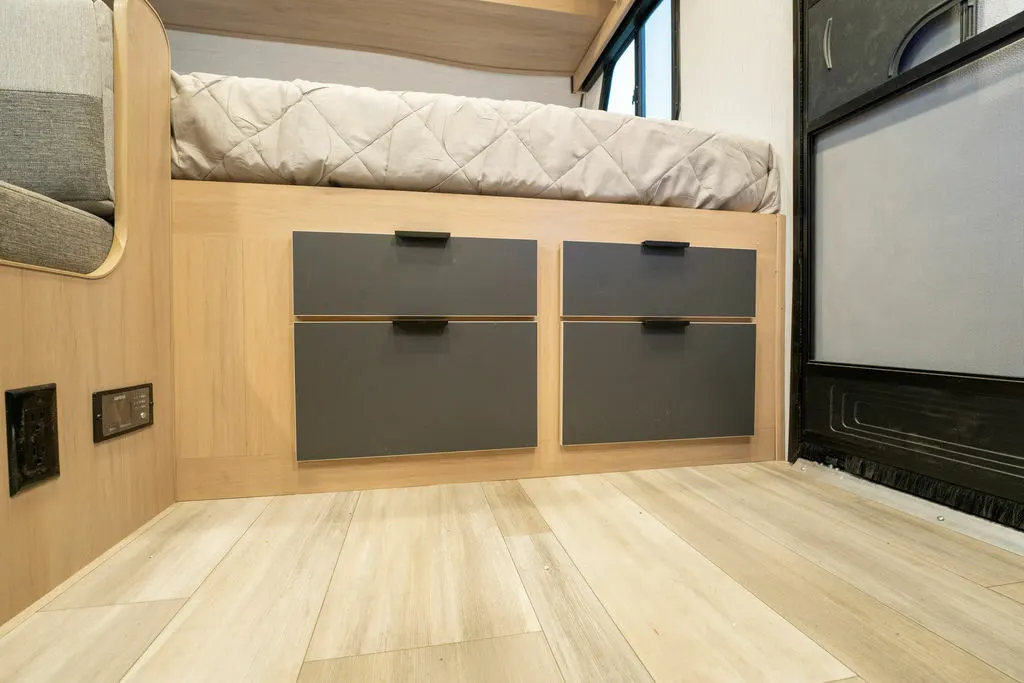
(120, 411)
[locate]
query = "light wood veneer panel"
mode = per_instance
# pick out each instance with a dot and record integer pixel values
(90, 335)
(251, 449)
(520, 36)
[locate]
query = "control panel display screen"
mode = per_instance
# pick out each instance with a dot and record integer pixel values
(121, 411)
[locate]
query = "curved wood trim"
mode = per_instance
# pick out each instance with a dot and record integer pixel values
(136, 27)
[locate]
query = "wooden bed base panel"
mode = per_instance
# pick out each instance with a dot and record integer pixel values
(111, 329)
(234, 384)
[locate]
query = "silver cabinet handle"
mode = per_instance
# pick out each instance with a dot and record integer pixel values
(827, 44)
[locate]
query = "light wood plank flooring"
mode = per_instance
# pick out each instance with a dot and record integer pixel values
(740, 573)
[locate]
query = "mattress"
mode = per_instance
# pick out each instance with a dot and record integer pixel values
(296, 132)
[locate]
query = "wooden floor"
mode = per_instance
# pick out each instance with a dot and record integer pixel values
(726, 573)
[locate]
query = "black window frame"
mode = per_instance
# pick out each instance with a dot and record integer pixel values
(631, 31)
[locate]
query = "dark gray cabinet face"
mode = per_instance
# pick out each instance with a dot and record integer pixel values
(371, 388)
(629, 280)
(622, 382)
(861, 38)
(382, 275)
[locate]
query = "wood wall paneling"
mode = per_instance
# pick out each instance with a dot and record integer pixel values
(87, 335)
(233, 338)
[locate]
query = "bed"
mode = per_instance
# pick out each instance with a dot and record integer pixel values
(301, 133)
(391, 288)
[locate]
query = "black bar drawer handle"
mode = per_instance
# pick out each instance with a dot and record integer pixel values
(662, 244)
(420, 236)
(420, 323)
(663, 324)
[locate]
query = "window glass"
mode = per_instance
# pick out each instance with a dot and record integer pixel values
(657, 45)
(620, 93)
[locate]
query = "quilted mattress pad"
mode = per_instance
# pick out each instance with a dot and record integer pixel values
(301, 133)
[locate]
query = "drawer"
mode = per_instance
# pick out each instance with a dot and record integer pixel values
(632, 280)
(380, 388)
(626, 381)
(384, 275)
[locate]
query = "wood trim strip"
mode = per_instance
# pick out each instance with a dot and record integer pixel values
(611, 24)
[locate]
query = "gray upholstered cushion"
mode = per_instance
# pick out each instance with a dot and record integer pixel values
(57, 133)
(39, 231)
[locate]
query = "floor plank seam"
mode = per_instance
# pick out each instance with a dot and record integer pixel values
(66, 585)
(586, 581)
(698, 472)
(423, 647)
(532, 605)
(982, 530)
(868, 529)
(522, 582)
(756, 597)
(200, 585)
(337, 560)
(156, 637)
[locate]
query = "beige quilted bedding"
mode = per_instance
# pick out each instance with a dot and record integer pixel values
(301, 133)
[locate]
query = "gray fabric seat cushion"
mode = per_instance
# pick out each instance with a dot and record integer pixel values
(56, 100)
(40, 231)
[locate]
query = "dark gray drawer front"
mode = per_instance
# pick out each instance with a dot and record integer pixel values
(350, 274)
(630, 280)
(623, 382)
(366, 389)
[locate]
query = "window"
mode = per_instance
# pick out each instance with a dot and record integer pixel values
(641, 64)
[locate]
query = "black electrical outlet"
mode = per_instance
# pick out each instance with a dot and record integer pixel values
(32, 454)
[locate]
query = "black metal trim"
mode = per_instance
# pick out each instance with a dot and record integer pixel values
(416, 324)
(677, 93)
(640, 72)
(663, 324)
(97, 412)
(664, 244)
(423, 236)
(629, 31)
(900, 383)
(908, 38)
(800, 327)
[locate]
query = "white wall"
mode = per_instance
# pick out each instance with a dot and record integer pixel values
(286, 61)
(736, 68)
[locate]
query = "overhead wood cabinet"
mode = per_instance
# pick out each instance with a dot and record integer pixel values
(644, 363)
(425, 379)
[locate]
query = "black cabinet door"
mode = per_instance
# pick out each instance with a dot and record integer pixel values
(630, 280)
(623, 381)
(854, 46)
(374, 388)
(348, 274)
